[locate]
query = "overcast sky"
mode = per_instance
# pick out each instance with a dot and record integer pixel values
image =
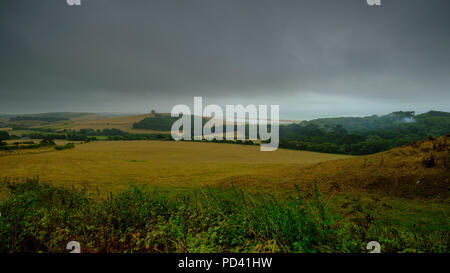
(314, 58)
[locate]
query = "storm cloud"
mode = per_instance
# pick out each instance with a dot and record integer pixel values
(328, 57)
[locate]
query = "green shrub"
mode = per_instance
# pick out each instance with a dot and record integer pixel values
(64, 147)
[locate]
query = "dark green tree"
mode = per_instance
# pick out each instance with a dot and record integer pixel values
(4, 135)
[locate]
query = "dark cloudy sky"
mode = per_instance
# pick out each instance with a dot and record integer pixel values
(314, 58)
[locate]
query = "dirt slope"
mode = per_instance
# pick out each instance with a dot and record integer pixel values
(417, 170)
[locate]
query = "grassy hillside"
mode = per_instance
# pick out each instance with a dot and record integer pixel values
(417, 170)
(158, 122)
(44, 118)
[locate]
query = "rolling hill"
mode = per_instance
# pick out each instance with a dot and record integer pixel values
(417, 170)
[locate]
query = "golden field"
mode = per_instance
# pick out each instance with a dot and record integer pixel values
(99, 122)
(90, 121)
(112, 165)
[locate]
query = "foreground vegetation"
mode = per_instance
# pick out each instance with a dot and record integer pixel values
(36, 217)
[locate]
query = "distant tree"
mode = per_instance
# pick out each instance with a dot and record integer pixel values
(47, 142)
(340, 130)
(4, 135)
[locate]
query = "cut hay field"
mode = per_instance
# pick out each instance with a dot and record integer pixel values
(113, 165)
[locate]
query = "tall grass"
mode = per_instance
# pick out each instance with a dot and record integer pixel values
(36, 217)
